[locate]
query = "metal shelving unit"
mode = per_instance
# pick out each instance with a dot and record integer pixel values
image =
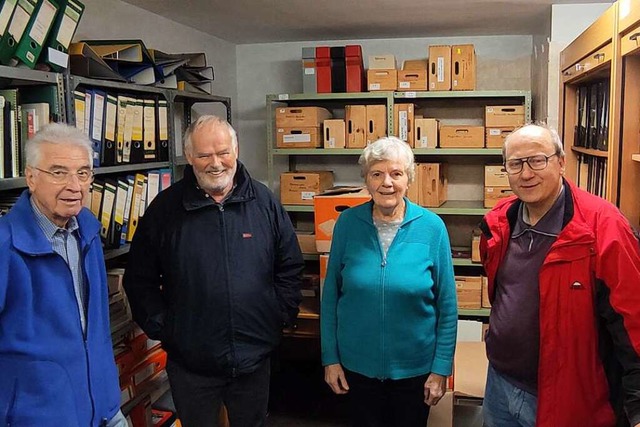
(13, 183)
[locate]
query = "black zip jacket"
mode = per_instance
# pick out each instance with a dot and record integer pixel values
(215, 282)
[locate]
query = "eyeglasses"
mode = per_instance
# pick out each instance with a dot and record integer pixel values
(536, 163)
(60, 176)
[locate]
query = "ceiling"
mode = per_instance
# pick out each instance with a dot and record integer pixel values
(268, 21)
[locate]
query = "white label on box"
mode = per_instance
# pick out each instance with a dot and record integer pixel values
(308, 292)
(440, 72)
(331, 143)
(489, 189)
(489, 109)
(423, 143)
(410, 94)
(374, 86)
(405, 85)
(307, 195)
(495, 132)
(403, 129)
(298, 137)
(283, 97)
(309, 71)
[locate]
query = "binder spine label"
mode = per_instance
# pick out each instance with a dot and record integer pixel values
(43, 22)
(5, 14)
(20, 20)
(68, 26)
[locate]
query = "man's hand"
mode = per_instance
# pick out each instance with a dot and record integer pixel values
(334, 376)
(434, 389)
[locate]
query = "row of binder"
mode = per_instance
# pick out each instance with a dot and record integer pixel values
(119, 203)
(123, 129)
(29, 27)
(592, 116)
(592, 174)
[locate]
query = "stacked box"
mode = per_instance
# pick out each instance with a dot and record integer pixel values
(496, 185)
(500, 121)
(469, 292)
(413, 76)
(439, 67)
(327, 208)
(463, 68)
(334, 133)
(461, 136)
(382, 74)
(300, 127)
(299, 188)
(356, 125)
(426, 133)
(404, 122)
(432, 183)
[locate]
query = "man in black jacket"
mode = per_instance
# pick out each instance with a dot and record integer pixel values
(214, 272)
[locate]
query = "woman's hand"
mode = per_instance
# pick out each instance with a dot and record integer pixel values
(434, 389)
(334, 376)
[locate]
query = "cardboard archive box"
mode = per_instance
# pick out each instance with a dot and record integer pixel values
(297, 117)
(376, 122)
(404, 122)
(469, 292)
(495, 176)
(439, 67)
(426, 133)
(382, 80)
(334, 133)
(496, 116)
(323, 69)
(327, 209)
(470, 367)
(461, 136)
(432, 183)
(413, 75)
(493, 194)
(356, 81)
(309, 84)
(356, 125)
(298, 137)
(495, 137)
(463, 67)
(299, 188)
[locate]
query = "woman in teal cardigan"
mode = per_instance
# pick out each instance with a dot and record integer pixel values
(389, 311)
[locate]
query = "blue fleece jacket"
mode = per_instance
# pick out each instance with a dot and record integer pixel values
(389, 317)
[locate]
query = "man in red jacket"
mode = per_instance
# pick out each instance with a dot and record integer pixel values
(564, 282)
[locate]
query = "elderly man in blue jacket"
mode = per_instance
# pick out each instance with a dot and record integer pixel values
(56, 360)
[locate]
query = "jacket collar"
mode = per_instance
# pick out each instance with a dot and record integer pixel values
(413, 212)
(195, 198)
(28, 237)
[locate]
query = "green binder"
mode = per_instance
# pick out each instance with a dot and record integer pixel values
(17, 26)
(31, 44)
(6, 10)
(62, 32)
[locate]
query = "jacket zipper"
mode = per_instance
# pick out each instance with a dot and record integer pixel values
(85, 333)
(232, 347)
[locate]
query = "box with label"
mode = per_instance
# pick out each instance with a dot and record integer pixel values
(334, 133)
(432, 184)
(413, 75)
(289, 117)
(379, 80)
(495, 136)
(426, 133)
(485, 293)
(404, 122)
(495, 176)
(461, 136)
(309, 84)
(439, 67)
(382, 62)
(469, 292)
(492, 195)
(356, 125)
(299, 188)
(463, 67)
(327, 209)
(376, 122)
(496, 116)
(303, 137)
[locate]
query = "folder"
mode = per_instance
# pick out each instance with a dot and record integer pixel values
(17, 28)
(117, 219)
(88, 102)
(195, 74)
(149, 130)
(96, 122)
(62, 31)
(128, 129)
(137, 145)
(197, 59)
(97, 187)
(120, 124)
(143, 197)
(165, 179)
(30, 46)
(119, 50)
(6, 11)
(162, 134)
(79, 108)
(603, 117)
(203, 87)
(127, 209)
(108, 199)
(138, 73)
(135, 205)
(109, 145)
(84, 61)
(47, 94)
(13, 126)
(168, 82)
(153, 185)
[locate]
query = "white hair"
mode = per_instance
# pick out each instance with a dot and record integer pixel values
(388, 148)
(206, 119)
(58, 134)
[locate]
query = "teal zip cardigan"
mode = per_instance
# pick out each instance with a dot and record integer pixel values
(390, 317)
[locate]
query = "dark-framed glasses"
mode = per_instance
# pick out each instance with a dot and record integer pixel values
(536, 163)
(61, 176)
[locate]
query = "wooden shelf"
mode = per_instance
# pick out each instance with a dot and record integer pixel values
(590, 151)
(461, 207)
(479, 313)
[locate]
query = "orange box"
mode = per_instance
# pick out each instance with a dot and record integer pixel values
(439, 67)
(469, 292)
(495, 176)
(356, 124)
(380, 80)
(376, 122)
(140, 415)
(495, 136)
(151, 365)
(334, 133)
(297, 117)
(141, 345)
(303, 137)
(432, 184)
(324, 262)
(496, 116)
(327, 209)
(126, 361)
(426, 133)
(493, 194)
(461, 136)
(463, 67)
(404, 122)
(299, 188)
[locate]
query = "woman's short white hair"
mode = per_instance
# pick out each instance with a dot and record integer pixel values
(56, 133)
(388, 148)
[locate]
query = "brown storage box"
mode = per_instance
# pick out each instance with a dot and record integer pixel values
(303, 137)
(463, 67)
(432, 184)
(470, 365)
(469, 292)
(327, 209)
(289, 117)
(426, 133)
(495, 176)
(439, 67)
(441, 415)
(475, 249)
(496, 116)
(485, 294)
(382, 62)
(382, 80)
(356, 125)
(495, 136)
(334, 133)
(413, 75)
(493, 194)
(461, 137)
(413, 192)
(307, 242)
(299, 188)
(404, 122)
(376, 122)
